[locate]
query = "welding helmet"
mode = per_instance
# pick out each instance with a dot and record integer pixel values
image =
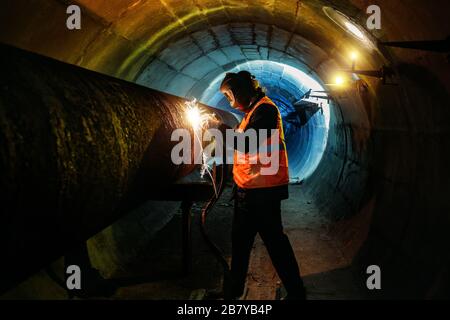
(239, 89)
(228, 87)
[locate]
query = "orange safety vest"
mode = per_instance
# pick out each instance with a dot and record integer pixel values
(247, 175)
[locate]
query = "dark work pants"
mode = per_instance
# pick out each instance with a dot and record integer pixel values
(262, 216)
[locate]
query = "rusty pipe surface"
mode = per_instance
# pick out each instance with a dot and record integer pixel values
(78, 150)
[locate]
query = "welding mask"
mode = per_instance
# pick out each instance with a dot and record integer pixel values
(229, 88)
(228, 93)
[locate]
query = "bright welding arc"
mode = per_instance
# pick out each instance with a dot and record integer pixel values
(199, 121)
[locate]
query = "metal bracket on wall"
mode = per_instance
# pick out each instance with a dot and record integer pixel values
(439, 46)
(384, 73)
(442, 46)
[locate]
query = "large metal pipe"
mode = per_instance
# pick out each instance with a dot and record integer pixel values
(78, 150)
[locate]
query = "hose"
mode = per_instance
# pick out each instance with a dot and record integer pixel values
(204, 214)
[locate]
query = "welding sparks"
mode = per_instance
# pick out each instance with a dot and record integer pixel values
(197, 118)
(200, 120)
(193, 115)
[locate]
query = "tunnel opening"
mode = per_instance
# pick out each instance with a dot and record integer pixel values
(306, 132)
(190, 61)
(374, 162)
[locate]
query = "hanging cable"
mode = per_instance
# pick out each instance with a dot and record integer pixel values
(221, 171)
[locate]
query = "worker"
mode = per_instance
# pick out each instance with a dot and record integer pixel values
(257, 196)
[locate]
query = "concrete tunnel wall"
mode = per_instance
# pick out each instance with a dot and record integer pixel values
(384, 171)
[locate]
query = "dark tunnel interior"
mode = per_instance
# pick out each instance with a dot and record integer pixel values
(369, 165)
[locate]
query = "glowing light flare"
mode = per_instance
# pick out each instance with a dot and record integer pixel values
(200, 120)
(339, 80)
(354, 55)
(196, 117)
(354, 30)
(350, 26)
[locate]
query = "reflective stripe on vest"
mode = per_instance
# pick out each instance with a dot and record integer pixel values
(252, 170)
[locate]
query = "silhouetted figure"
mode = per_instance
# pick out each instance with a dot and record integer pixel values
(258, 196)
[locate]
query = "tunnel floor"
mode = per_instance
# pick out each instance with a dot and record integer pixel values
(323, 263)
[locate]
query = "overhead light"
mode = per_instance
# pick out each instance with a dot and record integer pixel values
(354, 30)
(349, 26)
(339, 81)
(354, 55)
(194, 117)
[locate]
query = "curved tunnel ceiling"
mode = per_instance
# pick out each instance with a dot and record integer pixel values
(387, 146)
(189, 65)
(201, 33)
